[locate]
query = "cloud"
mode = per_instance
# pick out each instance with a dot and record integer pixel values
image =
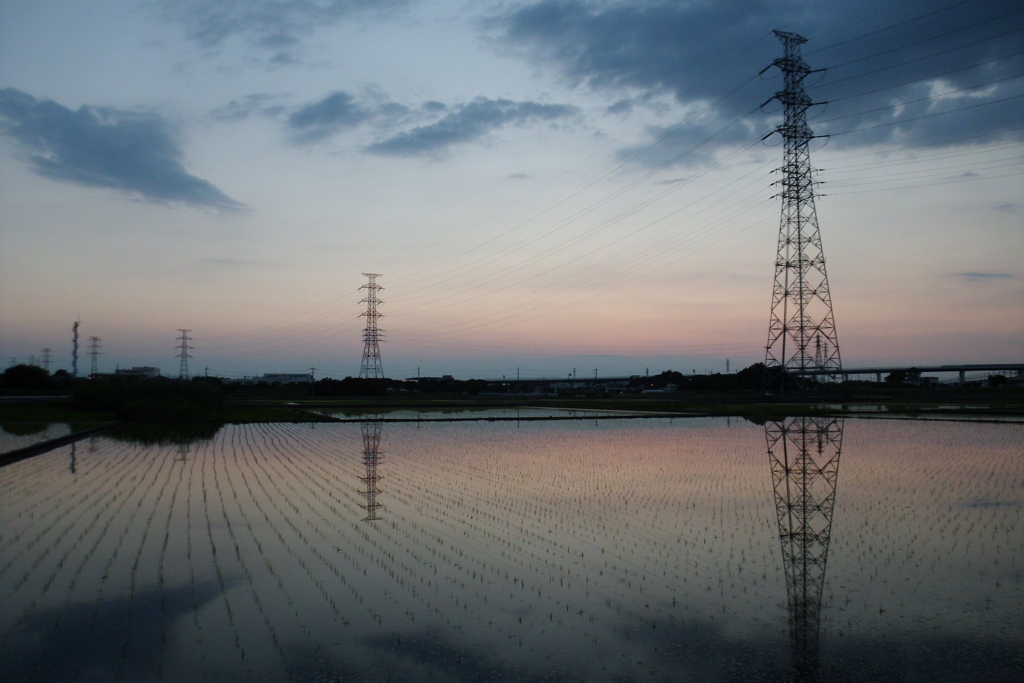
(272, 25)
(132, 152)
(978, 277)
(319, 120)
(243, 108)
(466, 123)
(905, 83)
(231, 262)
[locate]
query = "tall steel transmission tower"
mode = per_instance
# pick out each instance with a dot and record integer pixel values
(47, 358)
(371, 366)
(802, 341)
(803, 453)
(183, 349)
(94, 354)
(371, 430)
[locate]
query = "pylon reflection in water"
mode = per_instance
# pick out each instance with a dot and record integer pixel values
(803, 453)
(371, 430)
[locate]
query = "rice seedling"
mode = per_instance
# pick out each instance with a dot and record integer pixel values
(561, 547)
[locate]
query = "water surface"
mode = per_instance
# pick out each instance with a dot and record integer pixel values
(700, 549)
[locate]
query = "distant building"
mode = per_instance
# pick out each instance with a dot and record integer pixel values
(142, 372)
(283, 377)
(139, 372)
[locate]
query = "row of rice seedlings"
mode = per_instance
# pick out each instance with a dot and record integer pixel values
(26, 564)
(920, 486)
(130, 627)
(296, 551)
(539, 538)
(231, 634)
(122, 498)
(32, 476)
(180, 465)
(263, 598)
(381, 555)
(549, 579)
(397, 570)
(59, 503)
(303, 498)
(540, 559)
(106, 587)
(30, 602)
(568, 544)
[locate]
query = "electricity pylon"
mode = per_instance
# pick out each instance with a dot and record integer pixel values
(371, 430)
(183, 349)
(47, 358)
(371, 366)
(802, 343)
(803, 453)
(94, 354)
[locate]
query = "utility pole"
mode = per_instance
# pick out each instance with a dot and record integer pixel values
(371, 366)
(74, 348)
(727, 366)
(801, 302)
(46, 359)
(312, 382)
(183, 349)
(94, 354)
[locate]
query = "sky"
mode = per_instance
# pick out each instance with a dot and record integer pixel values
(543, 186)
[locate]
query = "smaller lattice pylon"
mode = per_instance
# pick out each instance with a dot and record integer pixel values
(371, 366)
(94, 354)
(183, 355)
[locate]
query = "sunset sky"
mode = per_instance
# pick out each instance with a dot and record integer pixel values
(542, 185)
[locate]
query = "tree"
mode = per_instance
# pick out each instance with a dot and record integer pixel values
(22, 377)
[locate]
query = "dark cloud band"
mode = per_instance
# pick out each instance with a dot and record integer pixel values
(468, 122)
(127, 151)
(903, 72)
(449, 125)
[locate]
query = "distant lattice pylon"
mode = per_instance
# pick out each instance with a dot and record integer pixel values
(371, 366)
(183, 349)
(802, 344)
(94, 354)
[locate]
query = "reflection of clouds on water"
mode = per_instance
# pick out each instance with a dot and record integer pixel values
(119, 638)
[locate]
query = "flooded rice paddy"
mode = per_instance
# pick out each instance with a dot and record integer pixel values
(21, 434)
(707, 549)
